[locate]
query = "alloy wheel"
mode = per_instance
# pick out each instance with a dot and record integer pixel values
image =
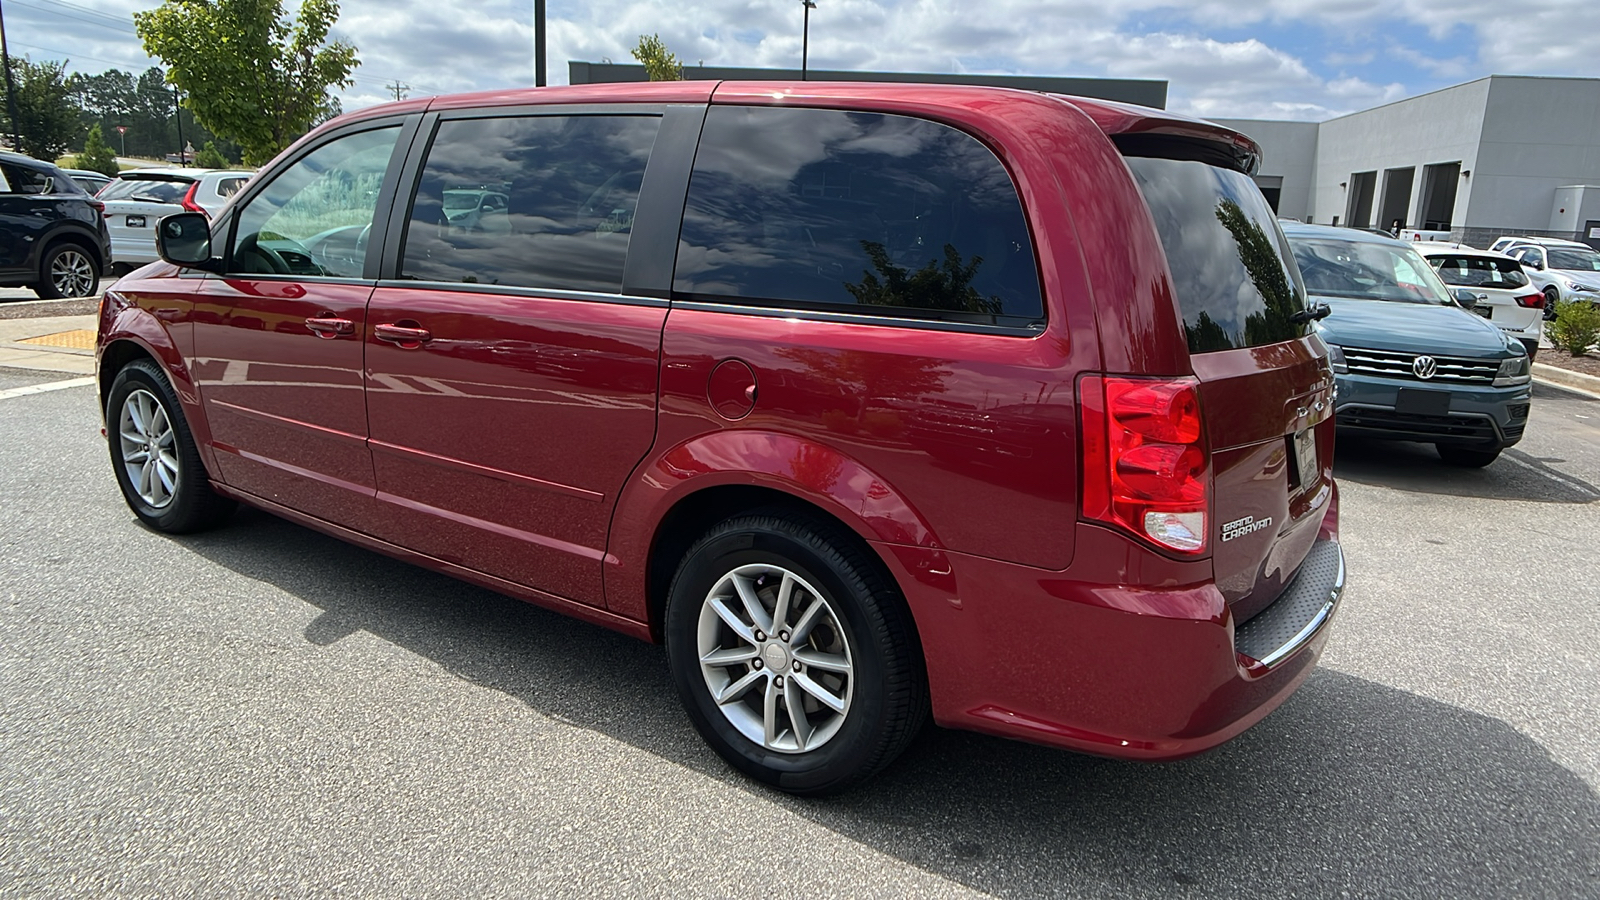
(775, 658)
(72, 274)
(149, 448)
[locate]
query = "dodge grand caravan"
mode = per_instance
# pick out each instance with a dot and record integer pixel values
(871, 402)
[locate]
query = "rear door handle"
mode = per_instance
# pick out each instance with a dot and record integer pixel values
(407, 337)
(330, 327)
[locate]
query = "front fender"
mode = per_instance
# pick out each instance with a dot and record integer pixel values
(802, 468)
(127, 330)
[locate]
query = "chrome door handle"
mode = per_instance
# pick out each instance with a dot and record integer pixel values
(407, 337)
(330, 327)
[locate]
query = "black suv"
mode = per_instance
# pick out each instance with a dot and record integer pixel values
(52, 235)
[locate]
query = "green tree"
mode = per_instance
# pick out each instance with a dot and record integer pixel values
(47, 121)
(946, 286)
(97, 155)
(251, 74)
(660, 63)
(143, 104)
(209, 157)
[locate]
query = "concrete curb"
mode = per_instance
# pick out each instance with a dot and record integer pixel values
(1565, 378)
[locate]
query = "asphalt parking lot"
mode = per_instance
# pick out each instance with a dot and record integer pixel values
(262, 710)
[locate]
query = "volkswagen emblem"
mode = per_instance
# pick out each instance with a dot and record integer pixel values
(1425, 367)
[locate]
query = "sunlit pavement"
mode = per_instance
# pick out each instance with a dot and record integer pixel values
(261, 710)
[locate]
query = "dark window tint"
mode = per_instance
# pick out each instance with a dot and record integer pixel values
(1231, 267)
(24, 180)
(535, 201)
(841, 210)
(160, 190)
(1479, 271)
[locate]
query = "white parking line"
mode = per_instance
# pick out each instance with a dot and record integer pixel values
(43, 388)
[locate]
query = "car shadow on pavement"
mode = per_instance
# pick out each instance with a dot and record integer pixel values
(1351, 788)
(1405, 466)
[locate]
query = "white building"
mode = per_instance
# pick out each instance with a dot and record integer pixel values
(1500, 155)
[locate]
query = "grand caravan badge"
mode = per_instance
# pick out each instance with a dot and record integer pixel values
(1241, 527)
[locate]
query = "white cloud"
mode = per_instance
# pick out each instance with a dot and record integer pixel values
(441, 46)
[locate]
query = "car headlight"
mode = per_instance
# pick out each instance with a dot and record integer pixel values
(1582, 288)
(1336, 359)
(1513, 371)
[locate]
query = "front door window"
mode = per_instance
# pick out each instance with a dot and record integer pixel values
(315, 218)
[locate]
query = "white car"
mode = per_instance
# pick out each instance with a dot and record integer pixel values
(138, 199)
(1564, 270)
(1503, 292)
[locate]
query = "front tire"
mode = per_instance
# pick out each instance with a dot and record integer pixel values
(1467, 457)
(67, 270)
(793, 655)
(1552, 298)
(154, 455)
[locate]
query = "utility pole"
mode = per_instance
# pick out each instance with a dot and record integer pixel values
(538, 43)
(805, 40)
(177, 113)
(11, 89)
(398, 89)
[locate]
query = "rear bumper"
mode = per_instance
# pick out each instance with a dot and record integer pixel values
(1092, 665)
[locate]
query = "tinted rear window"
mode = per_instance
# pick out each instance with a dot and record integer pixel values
(1232, 270)
(1479, 271)
(855, 212)
(160, 190)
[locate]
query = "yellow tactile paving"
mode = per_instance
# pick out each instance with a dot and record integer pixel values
(81, 339)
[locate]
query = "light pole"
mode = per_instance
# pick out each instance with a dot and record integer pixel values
(538, 43)
(805, 36)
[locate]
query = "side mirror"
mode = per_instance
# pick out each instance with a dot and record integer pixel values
(1537, 266)
(1466, 298)
(184, 239)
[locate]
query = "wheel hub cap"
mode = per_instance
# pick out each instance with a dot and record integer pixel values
(775, 658)
(148, 448)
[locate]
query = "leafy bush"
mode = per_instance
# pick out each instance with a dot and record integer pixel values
(209, 157)
(1576, 328)
(97, 155)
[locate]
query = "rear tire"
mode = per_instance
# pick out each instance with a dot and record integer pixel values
(1467, 457)
(67, 270)
(830, 698)
(154, 456)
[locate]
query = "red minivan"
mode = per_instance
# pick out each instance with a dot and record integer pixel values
(869, 401)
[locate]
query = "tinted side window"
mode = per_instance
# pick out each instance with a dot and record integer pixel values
(315, 217)
(532, 201)
(1232, 269)
(856, 212)
(24, 180)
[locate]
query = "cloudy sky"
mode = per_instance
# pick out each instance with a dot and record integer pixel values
(1282, 59)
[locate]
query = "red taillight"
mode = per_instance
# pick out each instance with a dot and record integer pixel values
(97, 206)
(188, 200)
(1531, 301)
(1145, 466)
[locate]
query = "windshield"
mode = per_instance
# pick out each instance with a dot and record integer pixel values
(1575, 259)
(460, 199)
(1366, 270)
(1479, 271)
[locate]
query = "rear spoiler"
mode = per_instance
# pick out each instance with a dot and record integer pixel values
(1141, 131)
